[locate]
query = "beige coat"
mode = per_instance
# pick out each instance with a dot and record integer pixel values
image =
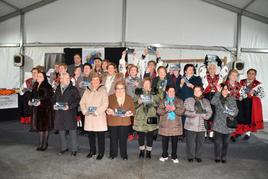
(99, 99)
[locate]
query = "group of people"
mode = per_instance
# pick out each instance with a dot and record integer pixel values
(149, 100)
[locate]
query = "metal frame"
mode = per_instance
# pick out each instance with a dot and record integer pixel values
(124, 22)
(10, 5)
(238, 10)
(254, 50)
(25, 9)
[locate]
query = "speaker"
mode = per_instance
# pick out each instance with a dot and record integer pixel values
(18, 60)
(239, 66)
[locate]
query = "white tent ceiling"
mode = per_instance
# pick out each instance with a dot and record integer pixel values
(11, 8)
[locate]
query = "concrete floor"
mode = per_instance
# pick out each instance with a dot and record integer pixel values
(19, 159)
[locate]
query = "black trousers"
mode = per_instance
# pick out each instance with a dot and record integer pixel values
(221, 145)
(149, 140)
(174, 144)
(92, 141)
(118, 136)
(194, 144)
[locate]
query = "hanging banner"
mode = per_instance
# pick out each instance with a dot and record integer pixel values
(89, 54)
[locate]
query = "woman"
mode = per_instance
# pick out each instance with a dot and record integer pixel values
(170, 126)
(251, 118)
(120, 109)
(66, 100)
(197, 109)
(93, 105)
(77, 78)
(161, 81)
(133, 81)
(41, 101)
(222, 101)
(97, 65)
(111, 78)
(145, 122)
(234, 88)
(188, 81)
(104, 65)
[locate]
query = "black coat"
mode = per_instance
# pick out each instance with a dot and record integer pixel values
(43, 115)
(65, 120)
(185, 91)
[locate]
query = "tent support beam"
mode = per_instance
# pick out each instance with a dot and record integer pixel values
(9, 4)
(238, 10)
(124, 22)
(26, 9)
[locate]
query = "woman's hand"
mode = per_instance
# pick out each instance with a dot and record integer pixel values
(129, 113)
(29, 103)
(139, 101)
(190, 85)
(109, 111)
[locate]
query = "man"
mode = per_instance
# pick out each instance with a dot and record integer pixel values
(77, 63)
(66, 100)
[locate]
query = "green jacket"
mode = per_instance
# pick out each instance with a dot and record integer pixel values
(143, 111)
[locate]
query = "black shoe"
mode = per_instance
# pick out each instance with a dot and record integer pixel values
(124, 158)
(74, 153)
(56, 132)
(233, 139)
(148, 154)
(217, 160)
(246, 137)
(91, 154)
(141, 155)
(112, 157)
(99, 157)
(44, 147)
(63, 152)
(39, 148)
(190, 160)
(223, 161)
(199, 160)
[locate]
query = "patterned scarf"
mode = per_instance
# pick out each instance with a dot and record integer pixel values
(171, 114)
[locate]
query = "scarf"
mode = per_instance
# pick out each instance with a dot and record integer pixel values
(223, 100)
(198, 106)
(171, 114)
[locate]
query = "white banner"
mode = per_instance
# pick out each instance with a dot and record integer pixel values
(10, 101)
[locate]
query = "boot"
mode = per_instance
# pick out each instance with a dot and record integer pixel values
(141, 155)
(148, 154)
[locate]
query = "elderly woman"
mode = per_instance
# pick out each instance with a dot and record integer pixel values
(145, 121)
(93, 105)
(223, 102)
(121, 108)
(197, 110)
(111, 78)
(41, 101)
(66, 100)
(170, 110)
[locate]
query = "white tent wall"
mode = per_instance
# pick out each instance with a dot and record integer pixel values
(9, 74)
(10, 30)
(9, 33)
(158, 21)
(75, 21)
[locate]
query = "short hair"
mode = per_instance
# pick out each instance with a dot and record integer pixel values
(111, 64)
(162, 67)
(133, 66)
(199, 86)
(233, 71)
(169, 87)
(188, 66)
(121, 82)
(34, 68)
(151, 61)
(96, 75)
(62, 75)
(64, 65)
(87, 64)
(75, 68)
(252, 69)
(147, 79)
(97, 58)
(78, 55)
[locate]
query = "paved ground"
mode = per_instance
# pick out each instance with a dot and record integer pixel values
(19, 159)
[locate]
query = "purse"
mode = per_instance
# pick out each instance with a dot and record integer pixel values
(152, 120)
(231, 123)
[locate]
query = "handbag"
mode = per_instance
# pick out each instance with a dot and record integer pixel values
(152, 120)
(231, 123)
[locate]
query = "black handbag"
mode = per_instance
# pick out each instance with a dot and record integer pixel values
(152, 120)
(231, 123)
